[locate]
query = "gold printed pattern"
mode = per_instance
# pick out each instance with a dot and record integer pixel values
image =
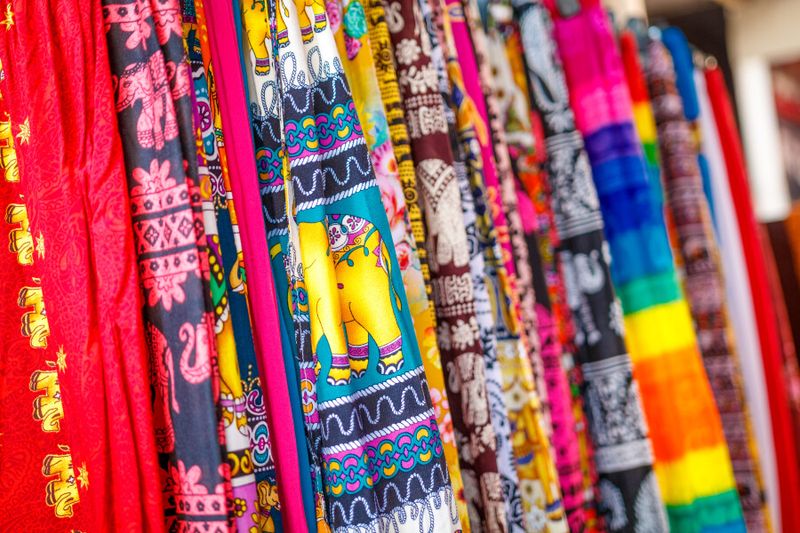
(8, 154)
(47, 407)
(34, 322)
(20, 240)
(61, 492)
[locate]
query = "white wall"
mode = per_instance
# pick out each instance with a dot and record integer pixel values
(761, 33)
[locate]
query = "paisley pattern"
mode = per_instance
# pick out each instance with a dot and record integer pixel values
(623, 452)
(152, 89)
(366, 83)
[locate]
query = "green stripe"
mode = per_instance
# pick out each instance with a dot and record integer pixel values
(720, 512)
(649, 291)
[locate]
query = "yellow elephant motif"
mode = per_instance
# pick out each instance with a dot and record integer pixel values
(20, 240)
(62, 492)
(231, 392)
(267, 501)
(307, 29)
(350, 295)
(34, 322)
(47, 407)
(256, 26)
(8, 154)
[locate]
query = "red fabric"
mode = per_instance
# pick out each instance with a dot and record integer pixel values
(73, 182)
(771, 348)
(629, 50)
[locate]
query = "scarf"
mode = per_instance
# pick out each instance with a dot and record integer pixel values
(74, 356)
(599, 339)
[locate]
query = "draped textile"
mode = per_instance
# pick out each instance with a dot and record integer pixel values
(737, 289)
(629, 494)
(491, 302)
(75, 418)
(454, 298)
(240, 430)
(528, 152)
(769, 338)
(502, 199)
(657, 320)
(701, 273)
(381, 47)
(358, 59)
(539, 231)
(148, 63)
(382, 464)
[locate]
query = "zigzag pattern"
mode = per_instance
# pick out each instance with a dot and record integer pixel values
(439, 496)
(362, 412)
(328, 74)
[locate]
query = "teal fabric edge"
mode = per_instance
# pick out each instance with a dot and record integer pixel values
(649, 291)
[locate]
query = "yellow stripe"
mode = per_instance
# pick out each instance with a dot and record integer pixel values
(698, 474)
(658, 330)
(645, 124)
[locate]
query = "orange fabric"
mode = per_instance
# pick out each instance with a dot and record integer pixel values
(666, 407)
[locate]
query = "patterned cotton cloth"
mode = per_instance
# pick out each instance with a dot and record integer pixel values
(553, 319)
(448, 255)
(627, 486)
(658, 323)
(366, 81)
(370, 418)
(76, 424)
(272, 345)
(701, 273)
(148, 58)
(381, 47)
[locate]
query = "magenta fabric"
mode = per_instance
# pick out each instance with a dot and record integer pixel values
(472, 84)
(260, 286)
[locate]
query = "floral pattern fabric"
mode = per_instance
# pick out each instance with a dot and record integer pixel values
(153, 100)
(76, 423)
(623, 451)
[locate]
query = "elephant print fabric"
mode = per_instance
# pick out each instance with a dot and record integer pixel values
(367, 411)
(153, 90)
(609, 386)
(75, 410)
(390, 163)
(458, 332)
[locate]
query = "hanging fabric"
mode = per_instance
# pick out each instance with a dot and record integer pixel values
(75, 411)
(539, 230)
(695, 241)
(699, 258)
(148, 62)
(454, 298)
(381, 47)
(782, 433)
(601, 345)
(657, 320)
